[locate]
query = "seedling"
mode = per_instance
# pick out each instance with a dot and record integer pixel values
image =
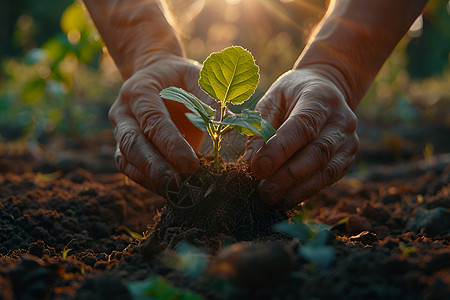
(158, 288)
(66, 250)
(229, 76)
(131, 233)
(313, 237)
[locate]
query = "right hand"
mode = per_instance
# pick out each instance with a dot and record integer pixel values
(315, 143)
(155, 141)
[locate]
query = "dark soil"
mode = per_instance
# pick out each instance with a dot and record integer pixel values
(223, 201)
(394, 244)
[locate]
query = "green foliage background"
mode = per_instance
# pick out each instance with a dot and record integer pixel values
(56, 79)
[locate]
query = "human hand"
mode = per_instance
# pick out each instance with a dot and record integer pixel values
(315, 143)
(155, 141)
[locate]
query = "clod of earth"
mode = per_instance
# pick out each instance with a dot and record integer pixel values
(225, 202)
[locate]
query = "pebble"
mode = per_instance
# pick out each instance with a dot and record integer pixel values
(356, 224)
(433, 222)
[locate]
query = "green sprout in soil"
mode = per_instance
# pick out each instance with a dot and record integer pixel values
(229, 76)
(158, 288)
(313, 237)
(66, 250)
(131, 233)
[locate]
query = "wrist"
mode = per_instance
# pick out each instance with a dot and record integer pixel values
(134, 31)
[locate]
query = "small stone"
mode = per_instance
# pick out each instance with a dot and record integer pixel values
(377, 214)
(252, 265)
(365, 237)
(433, 222)
(356, 224)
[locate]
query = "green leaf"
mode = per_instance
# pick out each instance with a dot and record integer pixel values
(321, 256)
(196, 121)
(190, 260)
(266, 131)
(294, 229)
(131, 233)
(158, 288)
(249, 122)
(230, 75)
(190, 101)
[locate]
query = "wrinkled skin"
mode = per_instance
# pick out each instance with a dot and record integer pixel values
(312, 107)
(150, 148)
(315, 143)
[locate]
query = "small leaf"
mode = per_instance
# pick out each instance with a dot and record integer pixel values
(190, 101)
(322, 256)
(190, 260)
(294, 229)
(249, 122)
(158, 288)
(230, 75)
(133, 234)
(196, 121)
(266, 131)
(65, 252)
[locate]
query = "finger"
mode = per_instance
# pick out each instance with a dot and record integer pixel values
(301, 127)
(155, 123)
(137, 176)
(253, 144)
(302, 165)
(136, 153)
(338, 166)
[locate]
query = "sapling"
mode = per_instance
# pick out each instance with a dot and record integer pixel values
(229, 76)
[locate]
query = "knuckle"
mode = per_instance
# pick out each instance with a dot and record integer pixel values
(323, 150)
(120, 161)
(291, 175)
(127, 88)
(355, 142)
(352, 121)
(112, 114)
(128, 141)
(331, 173)
(151, 121)
(309, 124)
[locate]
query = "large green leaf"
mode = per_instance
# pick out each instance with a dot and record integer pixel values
(249, 122)
(190, 101)
(230, 75)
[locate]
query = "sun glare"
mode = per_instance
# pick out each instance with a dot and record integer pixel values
(233, 2)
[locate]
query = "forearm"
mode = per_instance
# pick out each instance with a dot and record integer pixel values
(354, 39)
(134, 31)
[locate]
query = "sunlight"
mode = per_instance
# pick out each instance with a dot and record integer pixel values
(233, 2)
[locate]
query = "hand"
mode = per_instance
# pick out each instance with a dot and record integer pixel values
(315, 144)
(155, 141)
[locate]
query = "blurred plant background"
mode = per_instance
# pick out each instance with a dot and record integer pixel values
(56, 78)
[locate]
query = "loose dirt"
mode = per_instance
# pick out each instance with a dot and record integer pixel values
(393, 245)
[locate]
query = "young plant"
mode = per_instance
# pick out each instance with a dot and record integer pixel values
(229, 76)
(313, 236)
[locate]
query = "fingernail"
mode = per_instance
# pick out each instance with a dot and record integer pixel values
(270, 193)
(263, 167)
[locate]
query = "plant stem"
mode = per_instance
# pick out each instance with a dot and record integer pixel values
(216, 145)
(216, 131)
